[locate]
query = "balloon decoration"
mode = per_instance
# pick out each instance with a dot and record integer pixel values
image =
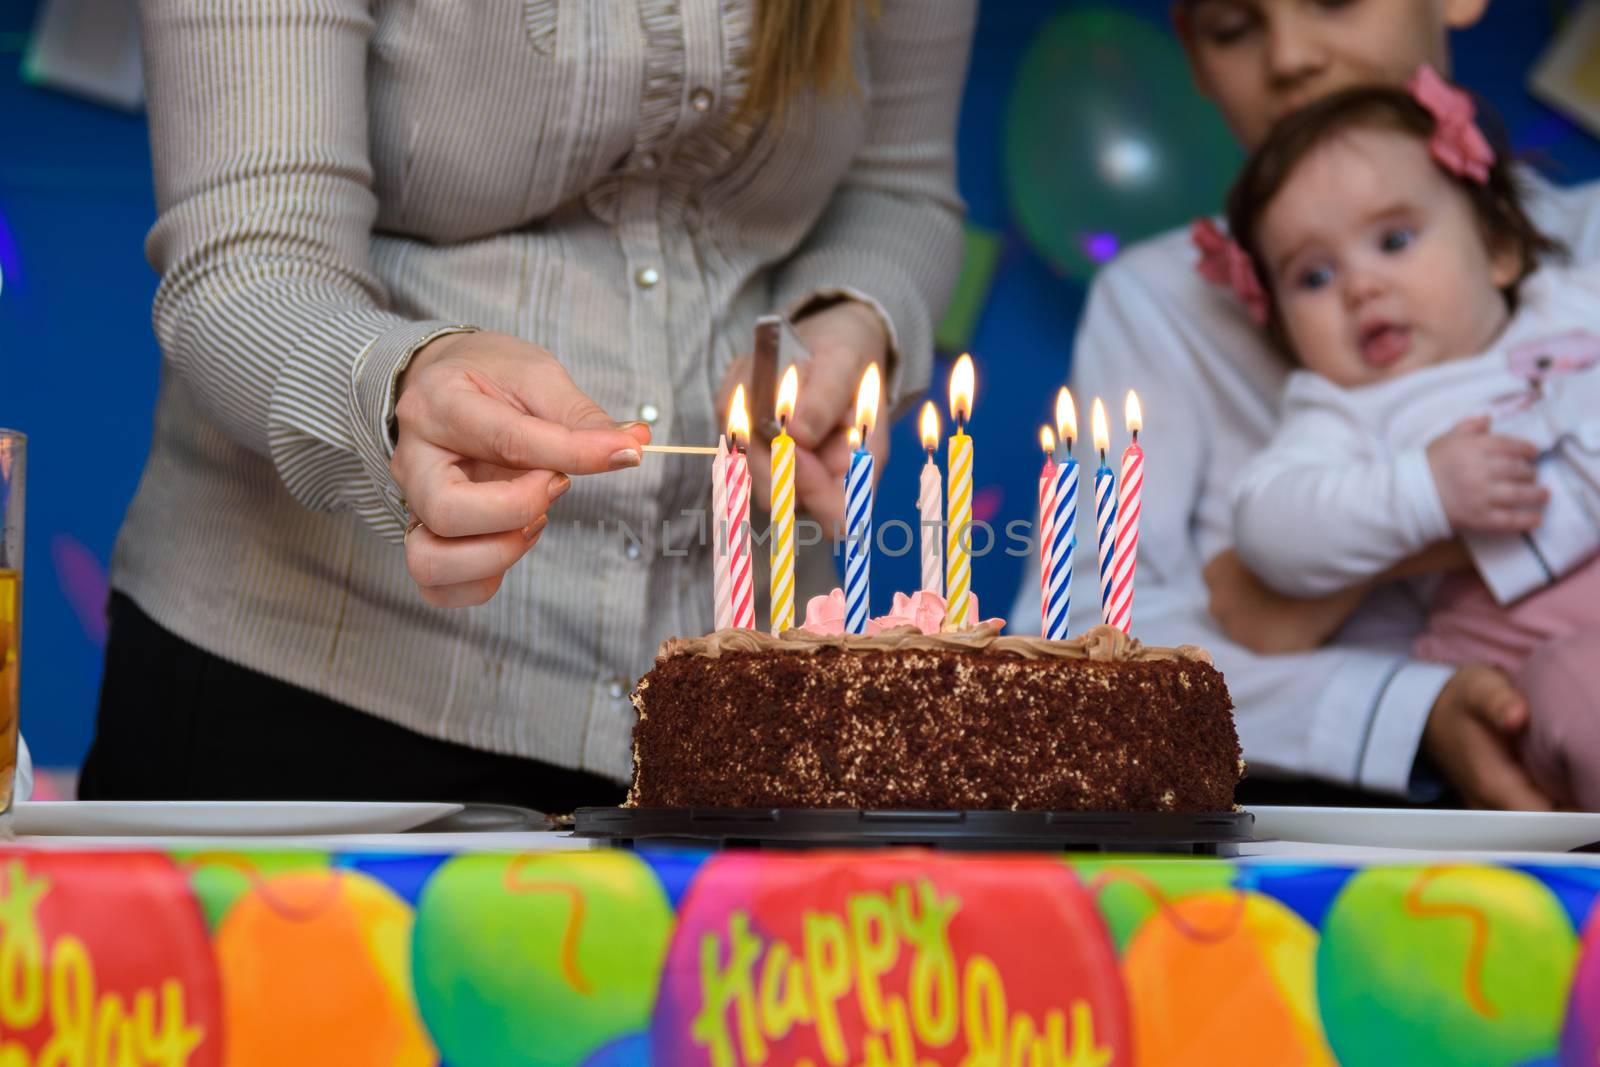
(1106, 140)
(1461, 965)
(540, 958)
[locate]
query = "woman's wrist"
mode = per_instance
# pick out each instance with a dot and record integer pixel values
(429, 353)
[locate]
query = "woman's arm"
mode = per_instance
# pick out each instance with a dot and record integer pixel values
(267, 309)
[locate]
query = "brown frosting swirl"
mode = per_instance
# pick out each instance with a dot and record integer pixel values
(1101, 644)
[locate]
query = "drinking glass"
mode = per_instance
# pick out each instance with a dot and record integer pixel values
(13, 483)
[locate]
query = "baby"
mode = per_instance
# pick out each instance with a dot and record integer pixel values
(1449, 390)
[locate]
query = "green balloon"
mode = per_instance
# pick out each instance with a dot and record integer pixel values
(540, 958)
(1107, 140)
(1459, 965)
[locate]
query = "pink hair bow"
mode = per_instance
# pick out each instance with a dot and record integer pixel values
(1223, 262)
(1457, 144)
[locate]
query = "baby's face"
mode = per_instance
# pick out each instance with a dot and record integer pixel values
(1376, 262)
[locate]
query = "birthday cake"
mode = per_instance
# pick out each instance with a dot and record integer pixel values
(912, 716)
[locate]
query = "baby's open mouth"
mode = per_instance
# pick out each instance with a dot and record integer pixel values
(1383, 343)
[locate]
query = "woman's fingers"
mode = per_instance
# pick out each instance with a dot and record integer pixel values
(465, 595)
(486, 427)
(455, 567)
(452, 504)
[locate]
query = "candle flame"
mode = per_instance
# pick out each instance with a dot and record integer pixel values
(930, 426)
(1097, 420)
(855, 438)
(963, 384)
(788, 393)
(1066, 416)
(1047, 440)
(1134, 414)
(738, 419)
(867, 399)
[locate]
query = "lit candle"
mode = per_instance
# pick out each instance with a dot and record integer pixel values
(783, 507)
(930, 504)
(1063, 525)
(1126, 557)
(858, 508)
(1105, 507)
(958, 561)
(1047, 518)
(741, 575)
(721, 591)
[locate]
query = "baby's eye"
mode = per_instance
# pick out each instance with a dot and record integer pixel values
(1398, 238)
(1315, 277)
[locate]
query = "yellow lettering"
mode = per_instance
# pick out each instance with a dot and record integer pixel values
(1027, 1048)
(71, 1005)
(1086, 1052)
(984, 1008)
(721, 987)
(933, 967)
(21, 949)
(113, 1039)
(783, 993)
(827, 955)
(875, 955)
(177, 1039)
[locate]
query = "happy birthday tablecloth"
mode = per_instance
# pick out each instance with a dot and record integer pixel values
(228, 956)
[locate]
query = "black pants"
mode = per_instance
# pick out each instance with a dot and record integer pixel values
(178, 723)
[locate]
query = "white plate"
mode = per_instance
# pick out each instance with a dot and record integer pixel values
(1429, 828)
(252, 818)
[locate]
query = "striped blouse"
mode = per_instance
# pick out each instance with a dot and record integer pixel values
(338, 181)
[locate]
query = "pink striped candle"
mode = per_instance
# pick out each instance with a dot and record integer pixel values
(721, 591)
(1126, 556)
(1047, 514)
(741, 573)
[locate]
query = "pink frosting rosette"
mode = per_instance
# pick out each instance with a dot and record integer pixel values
(923, 610)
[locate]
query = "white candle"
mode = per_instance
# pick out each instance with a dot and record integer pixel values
(930, 505)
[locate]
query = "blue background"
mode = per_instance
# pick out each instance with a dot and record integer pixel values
(78, 362)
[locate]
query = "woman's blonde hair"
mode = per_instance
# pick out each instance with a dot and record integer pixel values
(801, 44)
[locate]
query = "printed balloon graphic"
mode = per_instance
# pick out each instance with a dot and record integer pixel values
(1128, 894)
(542, 958)
(316, 968)
(889, 959)
(220, 878)
(1459, 965)
(103, 955)
(1225, 978)
(1580, 1035)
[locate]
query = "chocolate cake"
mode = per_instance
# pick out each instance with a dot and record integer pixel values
(943, 721)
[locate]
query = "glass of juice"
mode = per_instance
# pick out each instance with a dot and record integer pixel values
(13, 482)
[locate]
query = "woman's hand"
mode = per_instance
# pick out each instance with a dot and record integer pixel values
(1470, 737)
(844, 340)
(489, 428)
(1265, 621)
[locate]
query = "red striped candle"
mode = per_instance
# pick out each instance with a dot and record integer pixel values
(741, 574)
(1126, 554)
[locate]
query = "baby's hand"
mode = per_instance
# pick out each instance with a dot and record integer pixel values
(1487, 482)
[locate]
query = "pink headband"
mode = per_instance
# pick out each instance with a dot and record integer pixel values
(1457, 145)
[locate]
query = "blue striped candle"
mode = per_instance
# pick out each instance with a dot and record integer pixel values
(1105, 508)
(858, 542)
(1064, 527)
(858, 507)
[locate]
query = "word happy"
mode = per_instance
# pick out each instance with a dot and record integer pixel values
(772, 988)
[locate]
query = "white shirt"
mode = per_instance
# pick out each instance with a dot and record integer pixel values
(1352, 712)
(1345, 490)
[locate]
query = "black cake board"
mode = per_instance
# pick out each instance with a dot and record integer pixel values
(1184, 833)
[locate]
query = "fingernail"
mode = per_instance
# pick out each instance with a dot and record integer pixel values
(558, 485)
(531, 532)
(623, 459)
(632, 425)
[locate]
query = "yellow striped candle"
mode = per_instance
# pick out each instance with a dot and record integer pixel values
(783, 507)
(958, 547)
